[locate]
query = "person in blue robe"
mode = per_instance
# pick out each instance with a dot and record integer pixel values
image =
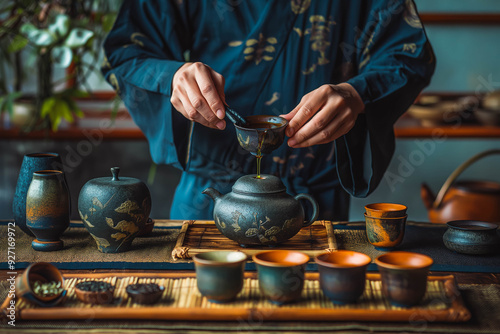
(341, 72)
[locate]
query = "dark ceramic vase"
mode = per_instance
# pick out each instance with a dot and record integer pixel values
(114, 210)
(47, 209)
(31, 163)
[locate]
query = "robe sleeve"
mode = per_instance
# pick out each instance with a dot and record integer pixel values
(143, 51)
(395, 62)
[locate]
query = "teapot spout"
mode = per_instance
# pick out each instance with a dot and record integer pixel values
(213, 193)
(428, 196)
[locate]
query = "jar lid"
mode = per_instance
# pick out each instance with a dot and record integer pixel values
(266, 184)
(115, 180)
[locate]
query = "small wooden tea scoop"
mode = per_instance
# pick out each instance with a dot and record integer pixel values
(234, 117)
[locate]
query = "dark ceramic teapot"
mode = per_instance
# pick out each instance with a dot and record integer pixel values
(114, 210)
(259, 211)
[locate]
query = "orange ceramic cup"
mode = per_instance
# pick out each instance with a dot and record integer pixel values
(404, 277)
(385, 210)
(342, 275)
(385, 233)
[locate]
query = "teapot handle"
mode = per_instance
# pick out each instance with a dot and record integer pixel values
(314, 205)
(451, 179)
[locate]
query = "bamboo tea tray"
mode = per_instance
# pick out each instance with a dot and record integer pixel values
(203, 236)
(182, 301)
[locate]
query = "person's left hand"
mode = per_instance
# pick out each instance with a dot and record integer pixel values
(323, 115)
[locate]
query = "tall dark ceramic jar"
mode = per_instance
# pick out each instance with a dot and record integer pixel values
(31, 163)
(114, 210)
(47, 209)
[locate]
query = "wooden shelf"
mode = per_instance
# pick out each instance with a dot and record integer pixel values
(461, 18)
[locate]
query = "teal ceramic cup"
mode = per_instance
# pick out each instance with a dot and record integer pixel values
(281, 274)
(219, 274)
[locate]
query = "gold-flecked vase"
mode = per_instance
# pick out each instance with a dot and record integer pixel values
(47, 209)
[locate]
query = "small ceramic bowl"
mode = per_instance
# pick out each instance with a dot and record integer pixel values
(262, 132)
(144, 293)
(219, 274)
(281, 274)
(435, 114)
(342, 275)
(404, 277)
(488, 117)
(385, 210)
(95, 292)
(42, 272)
(385, 233)
(471, 237)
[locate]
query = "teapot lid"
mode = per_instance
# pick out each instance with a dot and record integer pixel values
(266, 184)
(115, 180)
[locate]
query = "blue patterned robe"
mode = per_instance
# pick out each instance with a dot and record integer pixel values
(271, 53)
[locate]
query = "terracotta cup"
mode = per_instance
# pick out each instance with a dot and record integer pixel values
(385, 210)
(404, 277)
(219, 274)
(342, 275)
(385, 233)
(42, 272)
(281, 274)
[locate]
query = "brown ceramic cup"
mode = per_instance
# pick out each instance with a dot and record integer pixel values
(342, 275)
(385, 233)
(281, 274)
(42, 272)
(385, 210)
(404, 277)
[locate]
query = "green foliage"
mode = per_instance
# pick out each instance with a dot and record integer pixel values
(53, 33)
(7, 102)
(62, 106)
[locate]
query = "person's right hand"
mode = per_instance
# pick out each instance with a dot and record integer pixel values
(198, 94)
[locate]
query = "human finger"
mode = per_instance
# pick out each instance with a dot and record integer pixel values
(196, 103)
(185, 107)
(220, 82)
(304, 111)
(204, 78)
(319, 123)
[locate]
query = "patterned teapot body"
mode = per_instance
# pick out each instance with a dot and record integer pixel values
(258, 211)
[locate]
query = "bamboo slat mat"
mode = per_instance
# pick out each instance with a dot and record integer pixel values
(201, 236)
(181, 300)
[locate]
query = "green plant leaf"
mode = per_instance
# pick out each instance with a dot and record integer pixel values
(107, 21)
(78, 37)
(2, 101)
(62, 56)
(74, 107)
(60, 26)
(27, 28)
(59, 111)
(39, 37)
(17, 44)
(10, 101)
(47, 107)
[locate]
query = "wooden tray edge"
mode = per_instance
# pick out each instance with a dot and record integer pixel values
(181, 252)
(457, 312)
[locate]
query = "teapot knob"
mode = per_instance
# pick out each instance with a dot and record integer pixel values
(114, 172)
